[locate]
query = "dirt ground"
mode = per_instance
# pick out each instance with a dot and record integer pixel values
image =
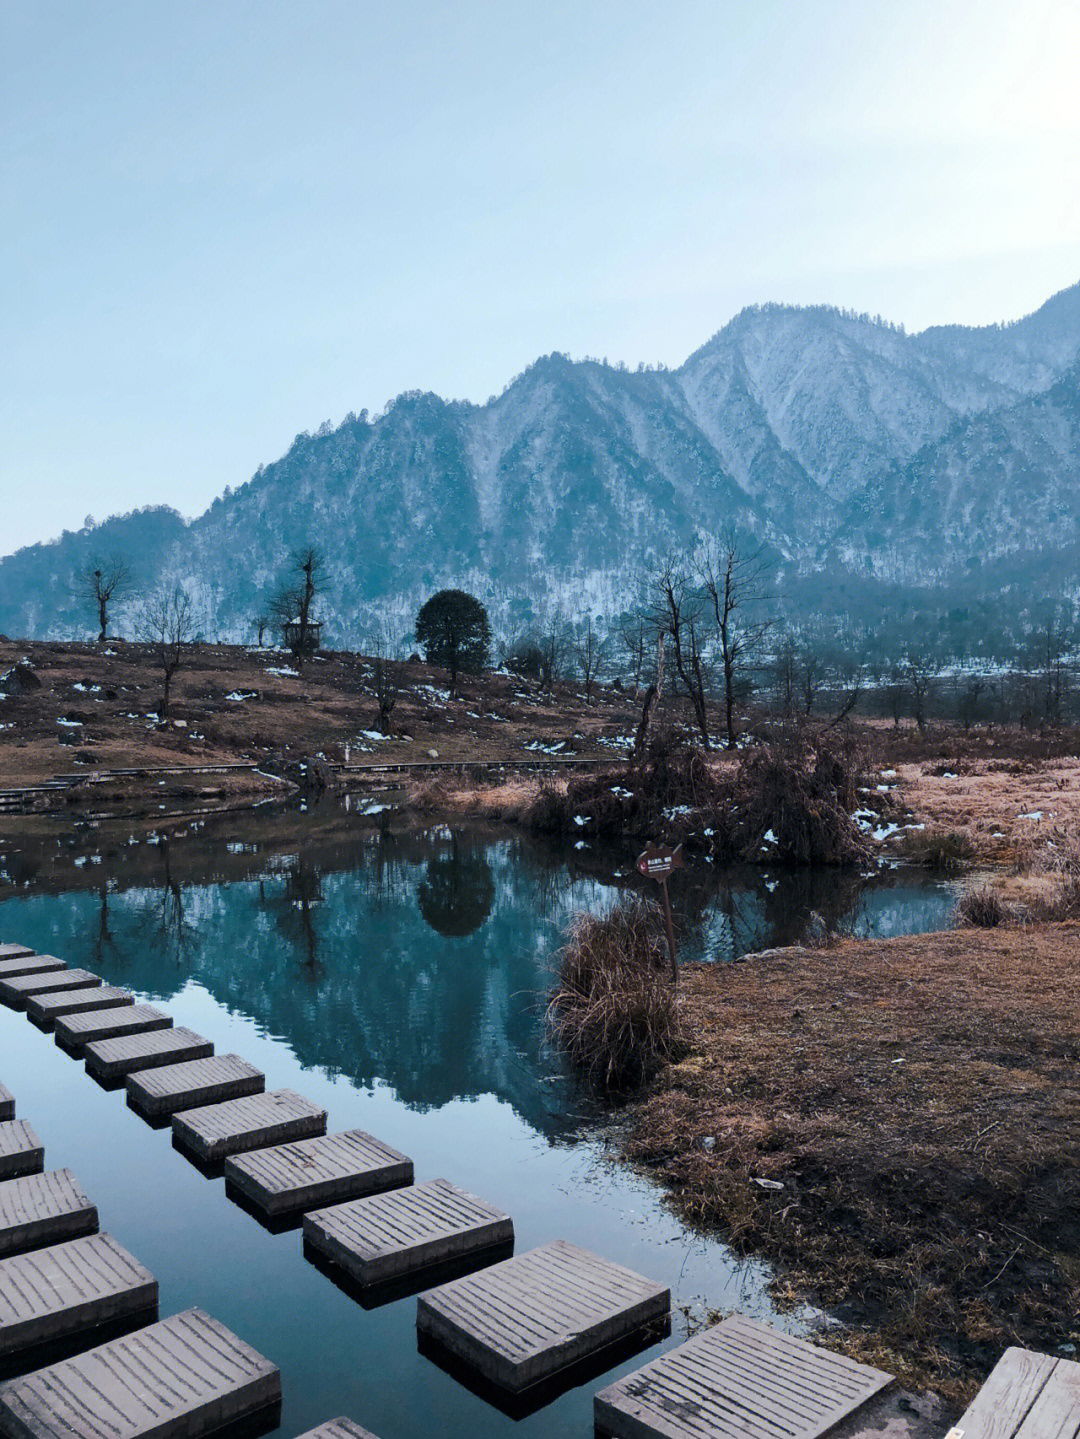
(896, 1124)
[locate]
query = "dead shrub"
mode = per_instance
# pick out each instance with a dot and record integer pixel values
(614, 1011)
(794, 805)
(983, 908)
(1059, 861)
(943, 851)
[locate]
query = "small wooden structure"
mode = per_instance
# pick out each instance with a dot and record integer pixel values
(323, 1170)
(178, 1379)
(391, 1235)
(16, 990)
(215, 1131)
(21, 1151)
(1029, 1396)
(75, 1031)
(111, 1060)
(16, 965)
(522, 1321)
(7, 1103)
(69, 1288)
(14, 951)
(43, 1209)
(45, 1009)
(340, 1428)
(301, 640)
(192, 1083)
(738, 1378)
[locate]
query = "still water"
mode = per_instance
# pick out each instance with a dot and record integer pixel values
(398, 980)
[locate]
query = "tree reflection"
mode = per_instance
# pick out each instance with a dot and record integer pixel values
(457, 891)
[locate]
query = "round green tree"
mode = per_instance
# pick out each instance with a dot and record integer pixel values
(453, 631)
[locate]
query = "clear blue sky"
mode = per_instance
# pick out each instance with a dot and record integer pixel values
(226, 222)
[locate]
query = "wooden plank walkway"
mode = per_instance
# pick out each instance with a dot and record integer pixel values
(523, 1320)
(218, 1130)
(54, 1293)
(75, 1031)
(193, 1083)
(111, 1060)
(45, 1009)
(340, 1428)
(310, 1172)
(178, 1379)
(30, 964)
(1027, 1396)
(390, 1235)
(21, 1151)
(43, 1209)
(15, 991)
(7, 1103)
(736, 1379)
(14, 951)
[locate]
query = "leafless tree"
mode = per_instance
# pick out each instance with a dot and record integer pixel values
(552, 646)
(101, 581)
(387, 686)
(735, 580)
(262, 619)
(677, 612)
(590, 656)
(918, 671)
(292, 605)
(653, 692)
(634, 638)
(166, 626)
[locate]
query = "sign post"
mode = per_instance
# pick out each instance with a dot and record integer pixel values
(657, 862)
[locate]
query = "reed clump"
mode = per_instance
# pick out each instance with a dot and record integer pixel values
(614, 1010)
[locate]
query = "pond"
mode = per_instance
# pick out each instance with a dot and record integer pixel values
(398, 978)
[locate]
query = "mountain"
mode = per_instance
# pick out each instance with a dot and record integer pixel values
(844, 444)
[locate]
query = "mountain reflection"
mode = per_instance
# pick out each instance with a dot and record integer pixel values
(418, 959)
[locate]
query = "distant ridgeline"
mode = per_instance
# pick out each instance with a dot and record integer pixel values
(880, 468)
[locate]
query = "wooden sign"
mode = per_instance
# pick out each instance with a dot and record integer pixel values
(656, 861)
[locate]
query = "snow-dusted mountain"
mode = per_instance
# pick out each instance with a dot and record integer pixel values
(841, 441)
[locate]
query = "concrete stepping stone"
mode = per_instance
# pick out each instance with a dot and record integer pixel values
(21, 1151)
(30, 964)
(43, 1209)
(390, 1235)
(75, 1031)
(7, 1103)
(523, 1320)
(193, 1083)
(14, 951)
(110, 1060)
(737, 1378)
(215, 1131)
(341, 1428)
(45, 1009)
(180, 1378)
(15, 991)
(290, 1177)
(54, 1293)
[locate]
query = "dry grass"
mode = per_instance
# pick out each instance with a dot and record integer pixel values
(919, 1102)
(983, 908)
(615, 1011)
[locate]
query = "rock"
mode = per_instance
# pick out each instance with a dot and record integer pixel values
(433, 754)
(20, 679)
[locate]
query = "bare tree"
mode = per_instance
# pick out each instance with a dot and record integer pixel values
(634, 638)
(652, 699)
(590, 656)
(734, 579)
(101, 581)
(387, 686)
(677, 611)
(166, 626)
(262, 619)
(552, 645)
(293, 604)
(918, 671)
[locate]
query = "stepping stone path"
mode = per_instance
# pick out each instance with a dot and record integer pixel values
(7, 1103)
(75, 1031)
(289, 1177)
(1029, 1395)
(17, 990)
(193, 1083)
(218, 1130)
(391, 1235)
(338, 1429)
(30, 964)
(178, 1379)
(14, 951)
(21, 1151)
(43, 1209)
(114, 1059)
(737, 1378)
(57, 1292)
(523, 1320)
(44, 1009)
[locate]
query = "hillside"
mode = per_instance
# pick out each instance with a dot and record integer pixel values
(842, 442)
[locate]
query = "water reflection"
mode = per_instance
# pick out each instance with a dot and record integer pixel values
(419, 958)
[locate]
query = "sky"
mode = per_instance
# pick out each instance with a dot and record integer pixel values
(226, 221)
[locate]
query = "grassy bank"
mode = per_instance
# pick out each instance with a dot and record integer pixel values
(896, 1125)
